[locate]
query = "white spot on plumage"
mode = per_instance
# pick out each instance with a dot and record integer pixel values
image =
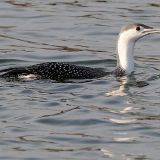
(27, 77)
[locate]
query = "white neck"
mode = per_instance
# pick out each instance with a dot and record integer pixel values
(125, 53)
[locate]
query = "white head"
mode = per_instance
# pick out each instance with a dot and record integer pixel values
(126, 42)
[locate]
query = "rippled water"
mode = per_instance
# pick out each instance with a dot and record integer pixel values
(85, 120)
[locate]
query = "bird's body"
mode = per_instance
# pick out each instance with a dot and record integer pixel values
(61, 71)
(54, 70)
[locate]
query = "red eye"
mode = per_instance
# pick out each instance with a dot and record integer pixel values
(138, 28)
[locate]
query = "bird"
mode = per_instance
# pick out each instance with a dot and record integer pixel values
(61, 71)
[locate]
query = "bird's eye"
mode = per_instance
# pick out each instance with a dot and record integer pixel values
(138, 28)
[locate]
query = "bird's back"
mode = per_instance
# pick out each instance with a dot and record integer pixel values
(56, 71)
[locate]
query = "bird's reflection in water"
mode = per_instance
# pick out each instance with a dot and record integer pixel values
(125, 83)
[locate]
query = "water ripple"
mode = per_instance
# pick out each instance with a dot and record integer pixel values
(43, 119)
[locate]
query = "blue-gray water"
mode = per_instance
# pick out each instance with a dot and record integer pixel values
(89, 120)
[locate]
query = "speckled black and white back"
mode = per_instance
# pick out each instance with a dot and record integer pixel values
(56, 71)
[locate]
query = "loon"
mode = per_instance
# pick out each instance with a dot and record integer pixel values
(60, 71)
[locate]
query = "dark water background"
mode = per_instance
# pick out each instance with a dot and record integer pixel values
(93, 120)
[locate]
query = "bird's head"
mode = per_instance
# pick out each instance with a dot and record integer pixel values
(133, 32)
(126, 41)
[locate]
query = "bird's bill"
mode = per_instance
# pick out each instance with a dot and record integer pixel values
(151, 30)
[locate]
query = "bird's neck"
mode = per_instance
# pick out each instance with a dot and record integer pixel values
(125, 58)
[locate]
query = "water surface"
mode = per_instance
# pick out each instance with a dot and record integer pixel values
(84, 120)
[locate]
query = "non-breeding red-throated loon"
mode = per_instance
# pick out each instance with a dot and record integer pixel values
(61, 71)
